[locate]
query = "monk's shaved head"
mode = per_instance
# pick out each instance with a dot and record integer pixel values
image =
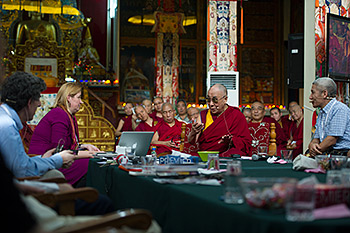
(219, 87)
(166, 105)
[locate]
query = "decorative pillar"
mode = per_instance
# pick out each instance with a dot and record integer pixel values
(222, 36)
(168, 26)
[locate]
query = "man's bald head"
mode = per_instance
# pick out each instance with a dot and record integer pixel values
(147, 104)
(168, 113)
(219, 87)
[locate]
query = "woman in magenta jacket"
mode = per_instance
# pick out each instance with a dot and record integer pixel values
(59, 126)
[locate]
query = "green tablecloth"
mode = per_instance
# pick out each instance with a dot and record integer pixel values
(196, 208)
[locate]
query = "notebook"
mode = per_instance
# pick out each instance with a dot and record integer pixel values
(140, 140)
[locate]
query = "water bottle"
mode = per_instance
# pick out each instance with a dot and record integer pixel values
(154, 153)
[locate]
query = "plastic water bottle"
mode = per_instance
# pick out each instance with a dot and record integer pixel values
(154, 153)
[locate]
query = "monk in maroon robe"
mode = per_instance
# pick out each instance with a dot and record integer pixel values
(157, 113)
(147, 123)
(167, 136)
(222, 128)
(125, 123)
(259, 129)
(295, 141)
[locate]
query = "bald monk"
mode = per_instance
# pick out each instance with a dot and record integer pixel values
(147, 123)
(295, 141)
(147, 104)
(168, 134)
(259, 129)
(221, 128)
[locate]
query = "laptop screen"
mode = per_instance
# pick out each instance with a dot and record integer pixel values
(140, 140)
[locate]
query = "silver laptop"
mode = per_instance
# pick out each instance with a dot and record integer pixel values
(138, 140)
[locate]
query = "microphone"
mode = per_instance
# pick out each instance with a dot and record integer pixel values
(255, 157)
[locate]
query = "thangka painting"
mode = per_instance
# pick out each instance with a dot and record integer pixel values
(322, 7)
(168, 26)
(222, 35)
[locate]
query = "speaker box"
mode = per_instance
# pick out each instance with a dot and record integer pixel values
(295, 78)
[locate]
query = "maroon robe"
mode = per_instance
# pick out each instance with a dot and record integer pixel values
(154, 116)
(260, 133)
(167, 133)
(127, 123)
(297, 134)
(230, 122)
(143, 126)
(286, 123)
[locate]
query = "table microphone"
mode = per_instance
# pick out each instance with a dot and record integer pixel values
(255, 157)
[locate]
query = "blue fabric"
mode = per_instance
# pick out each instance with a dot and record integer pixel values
(334, 120)
(11, 147)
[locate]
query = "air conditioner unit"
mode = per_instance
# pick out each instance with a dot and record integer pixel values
(230, 79)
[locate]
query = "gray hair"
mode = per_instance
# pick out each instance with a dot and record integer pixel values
(327, 84)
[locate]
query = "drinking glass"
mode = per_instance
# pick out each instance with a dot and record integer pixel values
(287, 155)
(300, 206)
(345, 174)
(262, 151)
(232, 190)
(148, 164)
(334, 177)
(213, 162)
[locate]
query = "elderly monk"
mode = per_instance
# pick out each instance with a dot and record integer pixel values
(147, 123)
(167, 136)
(295, 141)
(193, 114)
(259, 129)
(333, 122)
(221, 128)
(157, 113)
(147, 104)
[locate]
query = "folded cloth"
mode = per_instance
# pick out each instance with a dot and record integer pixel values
(301, 162)
(333, 211)
(315, 170)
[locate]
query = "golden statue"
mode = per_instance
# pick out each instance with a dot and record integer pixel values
(88, 51)
(29, 29)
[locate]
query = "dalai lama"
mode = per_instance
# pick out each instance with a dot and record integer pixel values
(222, 128)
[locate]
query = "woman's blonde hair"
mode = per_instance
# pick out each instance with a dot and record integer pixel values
(67, 89)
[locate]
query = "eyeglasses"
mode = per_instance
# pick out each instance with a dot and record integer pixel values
(214, 99)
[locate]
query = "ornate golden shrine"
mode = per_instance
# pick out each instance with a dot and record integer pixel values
(38, 51)
(95, 130)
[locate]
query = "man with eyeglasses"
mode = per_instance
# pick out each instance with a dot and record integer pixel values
(259, 129)
(168, 134)
(222, 127)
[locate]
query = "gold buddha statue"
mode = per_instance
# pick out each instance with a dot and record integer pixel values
(88, 51)
(29, 29)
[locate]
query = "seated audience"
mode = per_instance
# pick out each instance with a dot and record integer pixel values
(157, 113)
(295, 141)
(147, 104)
(283, 121)
(247, 113)
(221, 127)
(59, 126)
(332, 135)
(20, 98)
(147, 123)
(276, 114)
(126, 123)
(259, 129)
(181, 107)
(168, 134)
